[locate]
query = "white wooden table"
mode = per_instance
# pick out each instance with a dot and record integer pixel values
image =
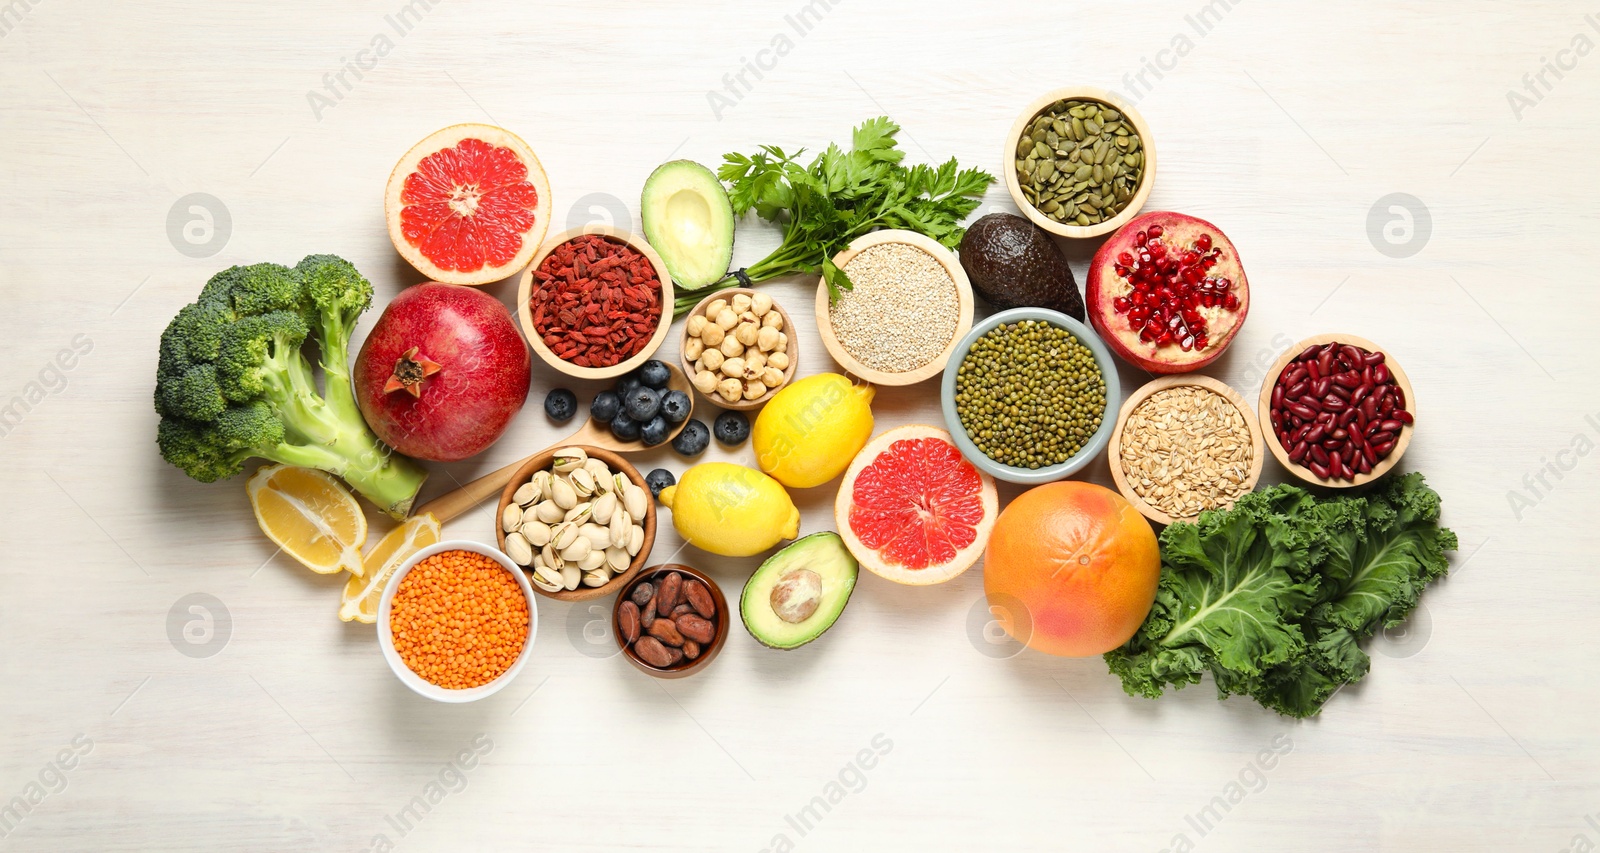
(1284, 123)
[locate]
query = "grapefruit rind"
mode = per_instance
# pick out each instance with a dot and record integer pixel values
(888, 554)
(394, 206)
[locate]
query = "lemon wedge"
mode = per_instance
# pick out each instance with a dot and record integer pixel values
(311, 516)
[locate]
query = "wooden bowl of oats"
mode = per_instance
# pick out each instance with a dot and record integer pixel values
(910, 305)
(1183, 445)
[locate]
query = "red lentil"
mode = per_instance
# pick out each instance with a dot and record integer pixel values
(459, 619)
(597, 302)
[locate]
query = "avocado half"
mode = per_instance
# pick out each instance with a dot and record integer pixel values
(1012, 263)
(688, 220)
(799, 592)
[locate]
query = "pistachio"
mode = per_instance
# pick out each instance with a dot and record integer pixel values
(599, 535)
(562, 492)
(551, 558)
(511, 517)
(635, 541)
(518, 549)
(636, 501)
(541, 484)
(598, 469)
(591, 559)
(562, 535)
(619, 483)
(548, 512)
(580, 513)
(577, 549)
(547, 579)
(582, 482)
(536, 532)
(569, 459)
(617, 558)
(526, 494)
(596, 577)
(603, 507)
(570, 577)
(621, 528)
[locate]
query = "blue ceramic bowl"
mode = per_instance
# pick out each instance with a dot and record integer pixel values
(1011, 473)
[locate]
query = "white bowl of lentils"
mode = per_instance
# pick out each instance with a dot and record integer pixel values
(909, 306)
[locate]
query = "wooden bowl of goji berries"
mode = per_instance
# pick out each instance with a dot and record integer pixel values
(596, 302)
(456, 622)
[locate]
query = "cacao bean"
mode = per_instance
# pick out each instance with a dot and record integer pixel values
(642, 592)
(691, 649)
(695, 628)
(628, 619)
(681, 609)
(650, 650)
(667, 632)
(700, 598)
(667, 595)
(648, 618)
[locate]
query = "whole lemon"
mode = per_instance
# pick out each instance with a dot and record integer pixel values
(730, 510)
(810, 430)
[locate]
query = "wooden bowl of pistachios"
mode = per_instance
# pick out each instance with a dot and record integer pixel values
(1079, 162)
(739, 348)
(579, 520)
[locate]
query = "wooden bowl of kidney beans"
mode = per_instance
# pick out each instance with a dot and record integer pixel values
(1337, 411)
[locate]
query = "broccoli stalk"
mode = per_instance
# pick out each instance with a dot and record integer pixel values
(234, 382)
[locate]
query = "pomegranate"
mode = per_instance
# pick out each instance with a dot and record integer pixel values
(442, 373)
(1167, 292)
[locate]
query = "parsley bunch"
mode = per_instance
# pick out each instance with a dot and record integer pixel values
(840, 196)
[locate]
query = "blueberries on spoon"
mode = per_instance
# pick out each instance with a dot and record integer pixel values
(654, 431)
(654, 374)
(625, 428)
(642, 403)
(606, 406)
(675, 406)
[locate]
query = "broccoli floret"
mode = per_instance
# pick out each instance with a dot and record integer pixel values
(234, 383)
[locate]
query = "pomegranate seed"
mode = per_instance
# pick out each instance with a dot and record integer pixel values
(1156, 231)
(1203, 242)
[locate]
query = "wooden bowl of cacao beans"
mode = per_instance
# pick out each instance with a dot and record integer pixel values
(685, 638)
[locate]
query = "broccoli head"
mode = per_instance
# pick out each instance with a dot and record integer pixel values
(233, 381)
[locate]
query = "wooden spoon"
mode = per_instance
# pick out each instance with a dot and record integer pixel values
(592, 433)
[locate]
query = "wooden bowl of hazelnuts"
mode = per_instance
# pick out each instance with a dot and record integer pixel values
(739, 348)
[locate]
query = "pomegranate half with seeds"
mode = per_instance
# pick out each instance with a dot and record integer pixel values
(1167, 292)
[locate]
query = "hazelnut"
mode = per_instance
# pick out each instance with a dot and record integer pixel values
(747, 334)
(754, 390)
(705, 381)
(731, 346)
(692, 349)
(741, 302)
(711, 360)
(697, 324)
(733, 367)
(767, 339)
(715, 308)
(772, 320)
(771, 377)
(755, 359)
(779, 359)
(727, 318)
(712, 334)
(760, 304)
(731, 389)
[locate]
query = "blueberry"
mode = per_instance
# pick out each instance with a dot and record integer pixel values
(675, 406)
(642, 403)
(693, 440)
(627, 384)
(654, 374)
(606, 406)
(561, 404)
(625, 428)
(731, 428)
(659, 479)
(654, 431)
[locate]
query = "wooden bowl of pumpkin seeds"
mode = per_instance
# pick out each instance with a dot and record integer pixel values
(1079, 162)
(579, 520)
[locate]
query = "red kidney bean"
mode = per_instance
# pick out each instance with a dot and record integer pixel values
(1338, 410)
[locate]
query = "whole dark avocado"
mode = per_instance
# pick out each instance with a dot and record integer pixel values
(1013, 263)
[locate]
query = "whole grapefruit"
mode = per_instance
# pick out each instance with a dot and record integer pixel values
(1072, 567)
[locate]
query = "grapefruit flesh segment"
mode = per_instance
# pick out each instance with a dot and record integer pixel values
(468, 206)
(918, 503)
